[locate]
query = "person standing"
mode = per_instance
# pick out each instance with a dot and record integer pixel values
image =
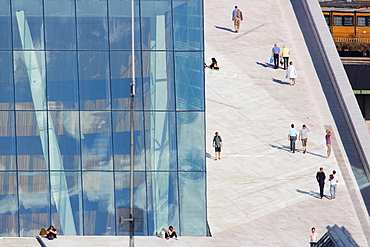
(285, 53)
(292, 137)
(291, 73)
(276, 54)
(312, 239)
(328, 143)
(237, 17)
(217, 144)
(320, 177)
(303, 136)
(333, 178)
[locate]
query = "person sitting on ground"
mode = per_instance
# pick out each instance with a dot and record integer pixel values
(170, 233)
(51, 233)
(214, 64)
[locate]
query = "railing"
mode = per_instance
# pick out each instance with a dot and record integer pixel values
(336, 237)
(351, 40)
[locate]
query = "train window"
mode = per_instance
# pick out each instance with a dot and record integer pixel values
(338, 21)
(327, 19)
(348, 21)
(361, 21)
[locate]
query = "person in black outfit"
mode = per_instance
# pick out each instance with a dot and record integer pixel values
(170, 233)
(51, 233)
(320, 177)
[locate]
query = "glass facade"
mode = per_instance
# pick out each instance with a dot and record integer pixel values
(65, 116)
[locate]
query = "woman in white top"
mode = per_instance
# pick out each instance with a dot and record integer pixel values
(291, 73)
(333, 185)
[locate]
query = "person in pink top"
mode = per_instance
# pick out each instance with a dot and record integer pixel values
(328, 143)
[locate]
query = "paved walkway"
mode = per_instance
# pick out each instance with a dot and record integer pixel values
(259, 193)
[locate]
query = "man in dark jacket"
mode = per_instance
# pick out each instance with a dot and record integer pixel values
(320, 177)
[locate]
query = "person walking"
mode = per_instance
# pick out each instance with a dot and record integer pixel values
(313, 238)
(276, 55)
(292, 137)
(237, 17)
(320, 177)
(291, 73)
(303, 136)
(333, 178)
(217, 144)
(328, 143)
(285, 53)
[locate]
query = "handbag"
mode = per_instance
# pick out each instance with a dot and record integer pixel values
(271, 59)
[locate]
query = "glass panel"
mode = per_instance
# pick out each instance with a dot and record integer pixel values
(6, 80)
(62, 80)
(121, 140)
(348, 21)
(163, 201)
(34, 202)
(361, 21)
(156, 25)
(121, 77)
(191, 144)
(7, 141)
(120, 25)
(5, 25)
(98, 201)
(29, 78)
(338, 21)
(122, 189)
(188, 24)
(193, 203)
(66, 202)
(64, 140)
(189, 81)
(327, 19)
(92, 24)
(28, 26)
(159, 90)
(8, 205)
(94, 80)
(60, 24)
(161, 137)
(32, 140)
(96, 140)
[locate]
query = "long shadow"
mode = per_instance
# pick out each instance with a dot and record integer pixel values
(225, 29)
(280, 81)
(208, 155)
(318, 155)
(287, 148)
(265, 65)
(311, 193)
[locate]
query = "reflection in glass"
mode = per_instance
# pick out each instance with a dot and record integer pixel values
(66, 202)
(122, 191)
(156, 25)
(60, 26)
(188, 24)
(94, 80)
(159, 89)
(8, 204)
(192, 203)
(64, 140)
(32, 142)
(5, 25)
(191, 144)
(96, 140)
(121, 140)
(7, 141)
(92, 25)
(189, 81)
(6, 80)
(62, 80)
(161, 138)
(98, 201)
(121, 79)
(120, 25)
(163, 201)
(34, 202)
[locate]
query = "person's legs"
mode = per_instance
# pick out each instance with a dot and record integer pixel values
(321, 189)
(173, 235)
(329, 150)
(286, 62)
(334, 191)
(304, 145)
(292, 143)
(276, 60)
(331, 191)
(237, 24)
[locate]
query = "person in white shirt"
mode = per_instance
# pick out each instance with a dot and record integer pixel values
(170, 233)
(312, 239)
(333, 178)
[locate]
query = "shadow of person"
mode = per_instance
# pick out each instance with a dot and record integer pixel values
(280, 81)
(208, 155)
(282, 147)
(310, 193)
(265, 65)
(225, 29)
